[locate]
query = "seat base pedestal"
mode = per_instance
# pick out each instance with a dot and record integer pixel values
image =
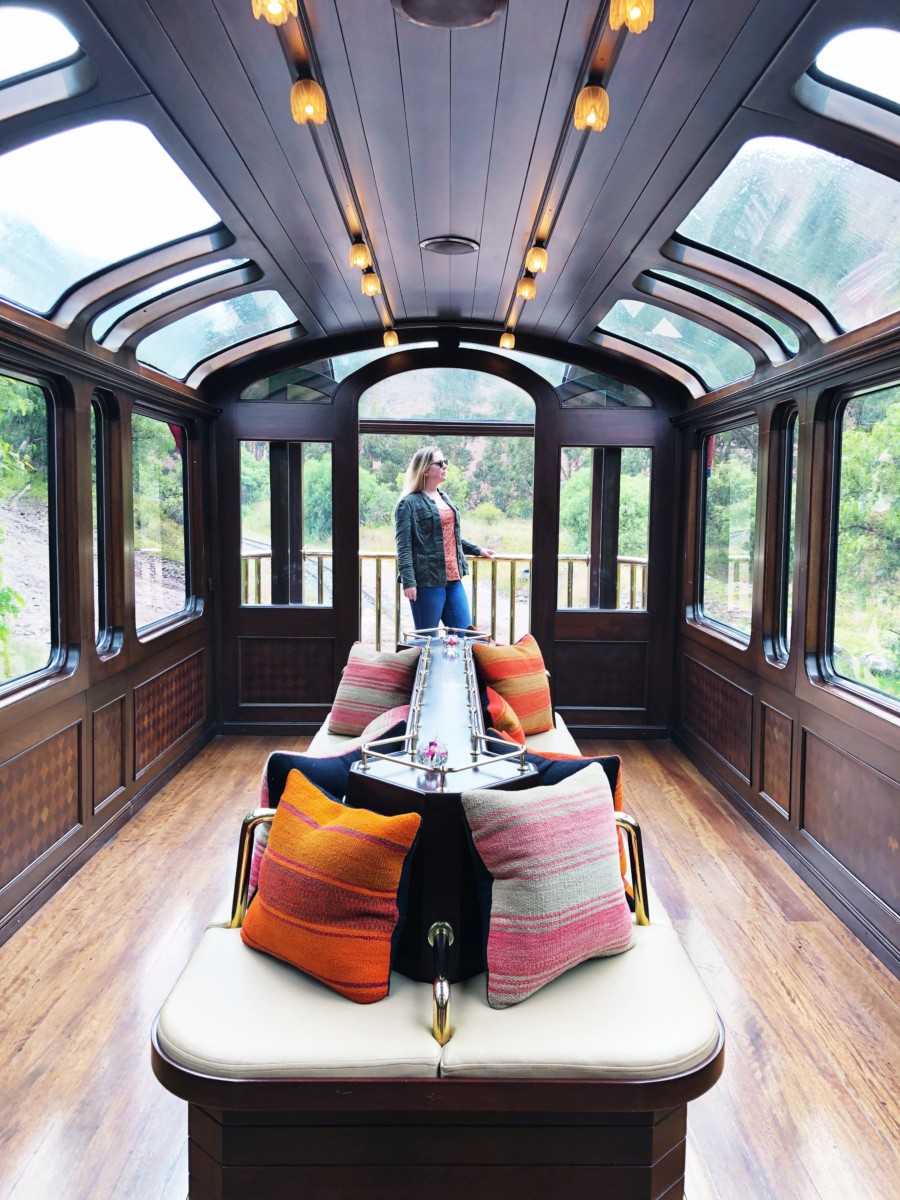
(447, 1155)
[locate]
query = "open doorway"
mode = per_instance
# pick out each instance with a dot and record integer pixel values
(484, 426)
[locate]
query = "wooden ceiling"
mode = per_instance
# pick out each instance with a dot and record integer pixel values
(465, 132)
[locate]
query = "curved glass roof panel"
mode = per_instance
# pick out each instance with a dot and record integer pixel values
(446, 394)
(866, 59)
(140, 200)
(715, 359)
(784, 332)
(31, 40)
(316, 382)
(109, 316)
(576, 387)
(176, 349)
(813, 219)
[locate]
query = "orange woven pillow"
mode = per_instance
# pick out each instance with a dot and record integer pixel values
(518, 674)
(503, 718)
(327, 895)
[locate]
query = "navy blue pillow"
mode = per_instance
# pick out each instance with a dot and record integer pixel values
(328, 774)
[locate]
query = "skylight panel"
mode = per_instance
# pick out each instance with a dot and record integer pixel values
(866, 59)
(817, 221)
(784, 332)
(715, 359)
(31, 40)
(109, 316)
(575, 386)
(176, 349)
(140, 199)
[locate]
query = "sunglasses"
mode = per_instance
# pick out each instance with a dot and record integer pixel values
(439, 462)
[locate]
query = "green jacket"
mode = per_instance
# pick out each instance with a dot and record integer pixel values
(420, 542)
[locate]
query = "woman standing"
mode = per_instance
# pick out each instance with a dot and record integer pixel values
(431, 554)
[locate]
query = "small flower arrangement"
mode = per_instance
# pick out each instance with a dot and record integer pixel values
(451, 646)
(431, 755)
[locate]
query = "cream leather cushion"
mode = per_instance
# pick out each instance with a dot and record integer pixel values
(235, 1013)
(640, 1015)
(557, 740)
(325, 743)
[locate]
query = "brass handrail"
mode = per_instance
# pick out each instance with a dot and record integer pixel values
(252, 821)
(638, 874)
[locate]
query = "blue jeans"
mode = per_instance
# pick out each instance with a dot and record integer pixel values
(449, 604)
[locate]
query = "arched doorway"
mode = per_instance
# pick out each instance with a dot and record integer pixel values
(484, 425)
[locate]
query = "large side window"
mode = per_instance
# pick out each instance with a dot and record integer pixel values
(787, 519)
(729, 527)
(286, 535)
(28, 634)
(99, 507)
(161, 582)
(604, 527)
(865, 592)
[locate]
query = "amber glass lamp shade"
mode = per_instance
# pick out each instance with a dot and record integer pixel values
(592, 108)
(276, 12)
(360, 256)
(308, 102)
(390, 339)
(370, 284)
(507, 341)
(526, 288)
(635, 14)
(536, 260)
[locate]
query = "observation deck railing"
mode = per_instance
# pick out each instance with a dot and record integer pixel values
(500, 589)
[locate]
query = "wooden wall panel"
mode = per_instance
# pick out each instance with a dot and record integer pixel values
(166, 707)
(108, 751)
(853, 812)
(285, 670)
(776, 736)
(719, 712)
(601, 674)
(40, 800)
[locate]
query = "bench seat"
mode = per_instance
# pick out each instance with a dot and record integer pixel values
(557, 740)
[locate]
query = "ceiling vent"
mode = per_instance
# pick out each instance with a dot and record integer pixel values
(460, 14)
(449, 244)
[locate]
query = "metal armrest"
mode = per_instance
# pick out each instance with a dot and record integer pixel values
(440, 938)
(252, 821)
(638, 874)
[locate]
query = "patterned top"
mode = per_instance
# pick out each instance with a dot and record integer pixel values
(448, 529)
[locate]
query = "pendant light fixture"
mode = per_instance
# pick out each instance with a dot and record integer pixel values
(370, 284)
(526, 288)
(536, 260)
(635, 14)
(507, 341)
(360, 256)
(592, 108)
(391, 339)
(276, 12)
(308, 103)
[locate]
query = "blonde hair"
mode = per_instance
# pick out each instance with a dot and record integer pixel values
(414, 479)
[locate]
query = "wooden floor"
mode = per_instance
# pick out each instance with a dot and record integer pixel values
(807, 1109)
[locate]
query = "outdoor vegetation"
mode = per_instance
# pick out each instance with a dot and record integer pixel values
(866, 644)
(25, 631)
(730, 526)
(160, 580)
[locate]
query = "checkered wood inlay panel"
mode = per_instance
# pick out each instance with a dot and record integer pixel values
(109, 750)
(166, 707)
(719, 712)
(40, 800)
(286, 670)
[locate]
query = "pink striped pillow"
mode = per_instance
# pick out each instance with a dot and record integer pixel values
(373, 681)
(555, 895)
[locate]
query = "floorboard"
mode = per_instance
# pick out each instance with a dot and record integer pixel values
(807, 1108)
